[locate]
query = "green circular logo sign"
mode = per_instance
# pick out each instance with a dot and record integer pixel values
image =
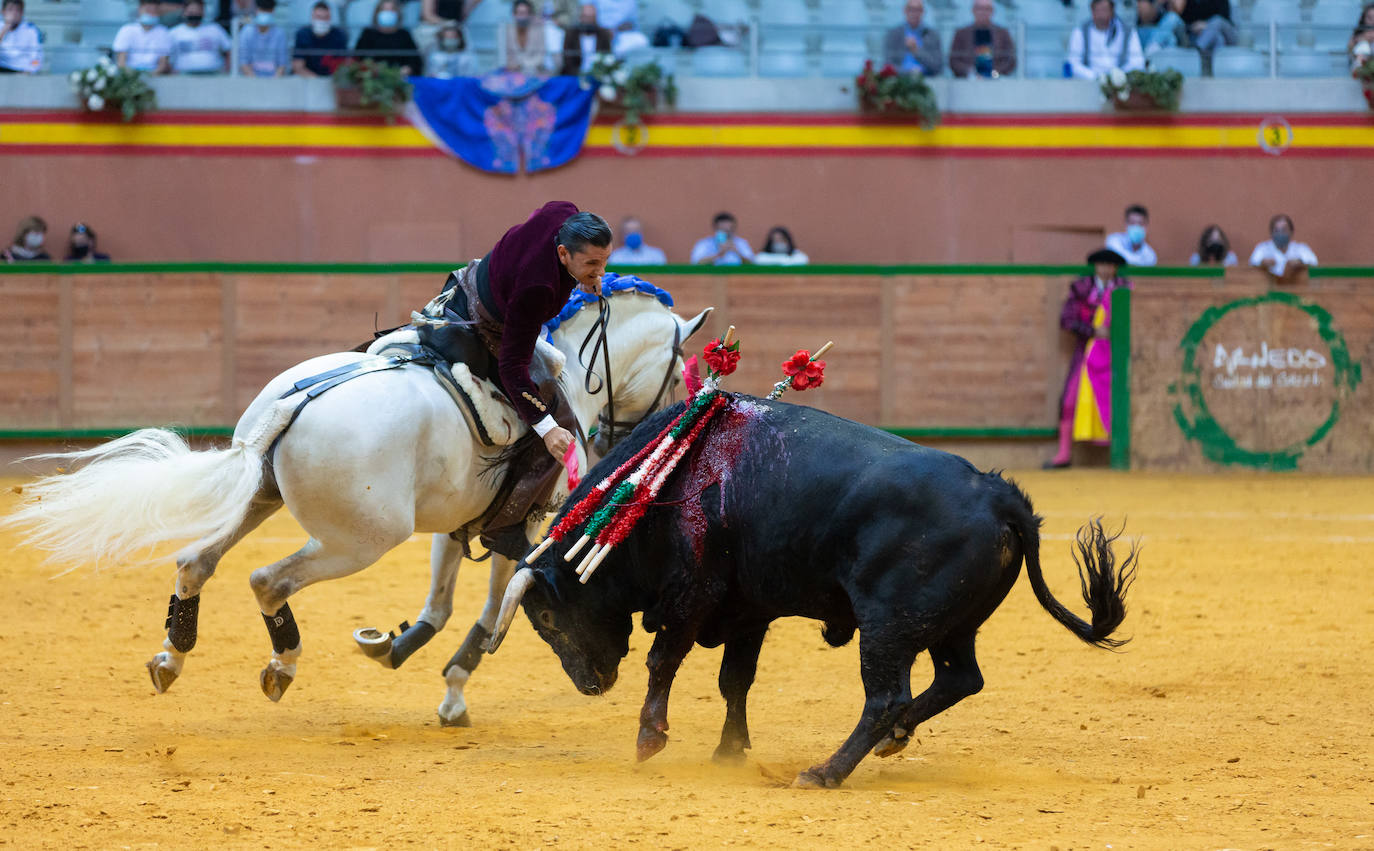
(1312, 365)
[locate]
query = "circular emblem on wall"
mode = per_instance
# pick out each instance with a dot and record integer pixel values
(1275, 135)
(629, 138)
(1263, 380)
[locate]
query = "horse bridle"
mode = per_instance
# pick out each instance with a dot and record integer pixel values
(606, 423)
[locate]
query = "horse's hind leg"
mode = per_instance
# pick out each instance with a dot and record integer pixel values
(453, 711)
(194, 569)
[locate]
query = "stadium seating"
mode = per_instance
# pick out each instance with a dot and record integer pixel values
(1184, 60)
(1240, 62)
(783, 63)
(720, 62)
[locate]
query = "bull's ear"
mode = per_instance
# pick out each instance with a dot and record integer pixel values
(693, 325)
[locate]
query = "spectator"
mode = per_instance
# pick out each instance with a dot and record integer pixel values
(81, 243)
(446, 11)
(1213, 248)
(28, 242)
(170, 13)
(1103, 44)
(527, 43)
(1085, 408)
(612, 14)
(1361, 45)
(982, 47)
(320, 47)
(262, 47)
(580, 45)
(145, 44)
(627, 40)
(21, 43)
(780, 250)
(634, 252)
(230, 10)
(1157, 25)
(450, 58)
(722, 248)
(1284, 259)
(1209, 24)
(198, 47)
(913, 46)
(1131, 243)
(388, 42)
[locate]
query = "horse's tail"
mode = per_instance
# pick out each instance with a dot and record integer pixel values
(1104, 585)
(133, 495)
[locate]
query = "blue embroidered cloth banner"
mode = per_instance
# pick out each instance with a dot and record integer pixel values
(501, 121)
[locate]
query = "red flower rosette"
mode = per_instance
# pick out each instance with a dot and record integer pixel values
(804, 372)
(721, 359)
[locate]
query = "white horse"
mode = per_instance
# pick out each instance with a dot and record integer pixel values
(362, 467)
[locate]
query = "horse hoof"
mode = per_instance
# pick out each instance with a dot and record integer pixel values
(274, 683)
(728, 755)
(375, 644)
(461, 721)
(890, 745)
(162, 676)
(650, 742)
(812, 779)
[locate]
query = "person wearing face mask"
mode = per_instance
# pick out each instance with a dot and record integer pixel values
(582, 43)
(1131, 243)
(321, 46)
(262, 46)
(21, 43)
(450, 58)
(780, 250)
(1284, 259)
(1213, 249)
(633, 251)
(199, 47)
(526, 44)
(81, 244)
(28, 242)
(388, 42)
(723, 247)
(145, 44)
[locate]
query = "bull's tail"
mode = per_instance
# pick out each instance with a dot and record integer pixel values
(1104, 584)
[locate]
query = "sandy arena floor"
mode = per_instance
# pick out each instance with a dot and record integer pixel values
(1239, 717)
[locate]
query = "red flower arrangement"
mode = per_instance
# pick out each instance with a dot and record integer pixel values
(804, 371)
(888, 90)
(720, 358)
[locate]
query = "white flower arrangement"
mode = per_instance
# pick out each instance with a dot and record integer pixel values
(105, 84)
(636, 88)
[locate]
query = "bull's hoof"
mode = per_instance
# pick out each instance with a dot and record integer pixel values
(461, 720)
(275, 682)
(812, 778)
(651, 741)
(162, 674)
(891, 745)
(728, 754)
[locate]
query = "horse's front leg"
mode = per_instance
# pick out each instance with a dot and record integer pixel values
(453, 711)
(445, 557)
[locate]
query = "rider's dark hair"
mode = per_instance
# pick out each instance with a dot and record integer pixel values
(584, 229)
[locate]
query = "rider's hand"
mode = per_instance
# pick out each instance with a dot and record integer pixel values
(557, 441)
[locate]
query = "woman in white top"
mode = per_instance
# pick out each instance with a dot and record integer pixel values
(780, 250)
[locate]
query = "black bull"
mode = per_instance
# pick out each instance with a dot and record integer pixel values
(783, 510)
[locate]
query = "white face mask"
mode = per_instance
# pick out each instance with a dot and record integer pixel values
(320, 28)
(33, 240)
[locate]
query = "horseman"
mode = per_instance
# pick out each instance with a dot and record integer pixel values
(506, 297)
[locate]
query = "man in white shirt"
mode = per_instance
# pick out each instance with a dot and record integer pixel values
(722, 248)
(145, 44)
(612, 13)
(199, 47)
(21, 43)
(1279, 255)
(634, 252)
(1131, 243)
(1104, 44)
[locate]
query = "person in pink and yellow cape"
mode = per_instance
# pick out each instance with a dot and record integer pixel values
(1085, 408)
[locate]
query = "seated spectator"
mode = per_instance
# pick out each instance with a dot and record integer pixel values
(582, 44)
(81, 243)
(1213, 249)
(780, 250)
(1209, 24)
(28, 242)
(913, 46)
(262, 47)
(21, 43)
(1361, 46)
(388, 42)
(231, 10)
(1103, 44)
(634, 252)
(722, 248)
(198, 47)
(982, 48)
(1158, 26)
(527, 43)
(145, 44)
(320, 47)
(627, 40)
(171, 12)
(446, 11)
(1284, 259)
(1131, 243)
(450, 58)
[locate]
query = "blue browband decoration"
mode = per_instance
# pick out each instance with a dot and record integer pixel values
(611, 283)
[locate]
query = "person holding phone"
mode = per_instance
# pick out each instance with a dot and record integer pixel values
(723, 247)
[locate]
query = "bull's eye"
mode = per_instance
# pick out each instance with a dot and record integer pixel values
(546, 618)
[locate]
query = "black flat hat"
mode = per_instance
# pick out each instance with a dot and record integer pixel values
(1106, 255)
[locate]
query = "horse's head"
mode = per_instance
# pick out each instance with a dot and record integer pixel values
(644, 346)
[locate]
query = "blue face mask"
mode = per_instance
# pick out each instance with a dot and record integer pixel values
(1135, 233)
(263, 19)
(387, 18)
(148, 20)
(634, 240)
(1281, 240)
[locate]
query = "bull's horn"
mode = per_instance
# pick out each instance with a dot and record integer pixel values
(519, 584)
